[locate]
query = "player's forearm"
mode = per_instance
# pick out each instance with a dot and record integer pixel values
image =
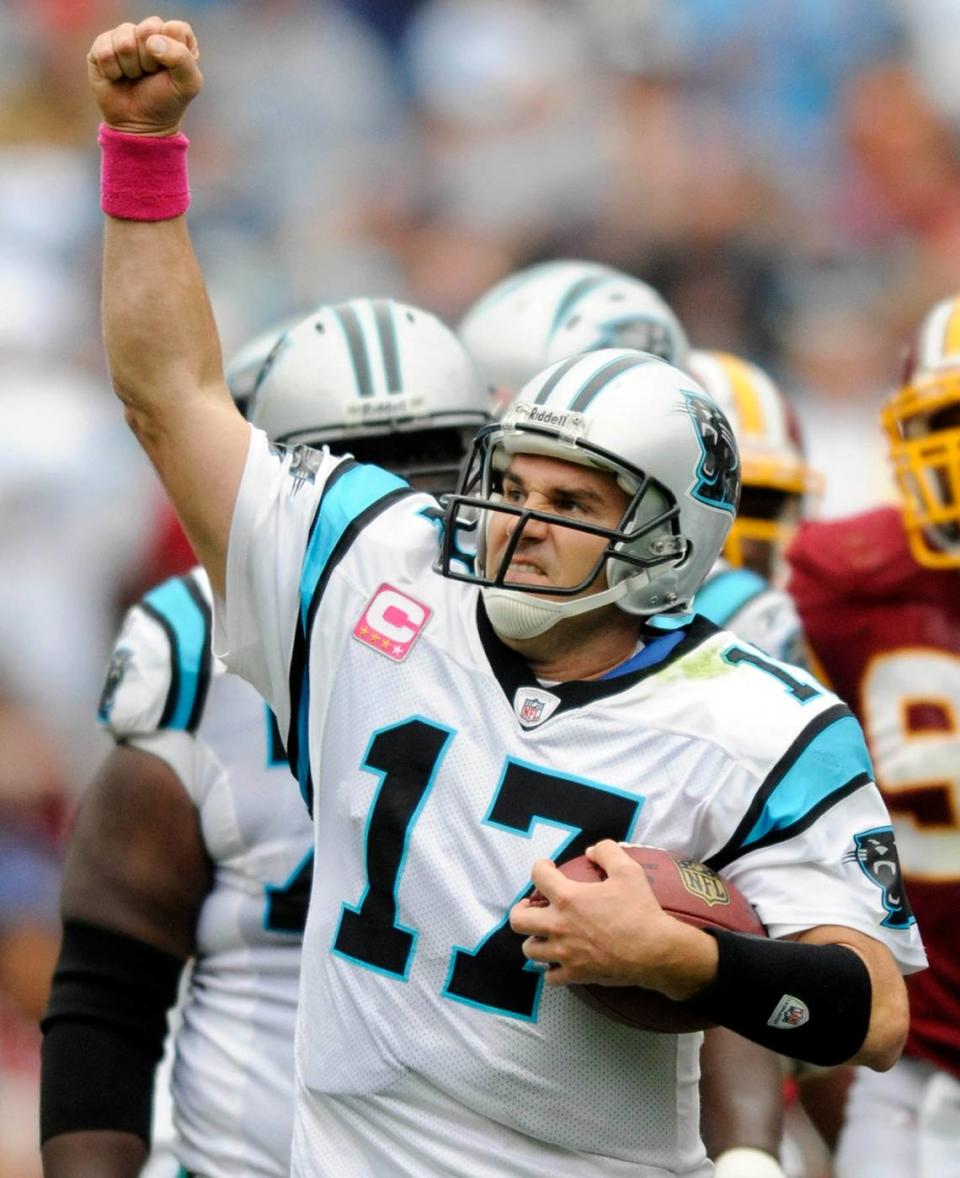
(889, 1008)
(741, 1094)
(160, 335)
(93, 1154)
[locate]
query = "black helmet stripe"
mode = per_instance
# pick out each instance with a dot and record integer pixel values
(350, 322)
(579, 289)
(606, 374)
(556, 378)
(387, 332)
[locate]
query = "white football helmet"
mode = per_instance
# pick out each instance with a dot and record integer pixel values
(550, 311)
(778, 482)
(385, 381)
(243, 367)
(670, 449)
(922, 423)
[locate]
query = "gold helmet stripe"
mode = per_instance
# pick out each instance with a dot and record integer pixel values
(745, 396)
(951, 336)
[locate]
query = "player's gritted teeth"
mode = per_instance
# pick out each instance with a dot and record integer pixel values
(527, 572)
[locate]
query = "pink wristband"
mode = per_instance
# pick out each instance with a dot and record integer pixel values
(143, 177)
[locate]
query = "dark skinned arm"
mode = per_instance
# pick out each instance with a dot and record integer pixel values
(741, 1094)
(136, 864)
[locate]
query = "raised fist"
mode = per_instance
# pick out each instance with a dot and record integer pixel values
(144, 76)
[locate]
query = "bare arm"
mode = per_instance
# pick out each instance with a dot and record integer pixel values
(161, 339)
(889, 1010)
(136, 864)
(741, 1094)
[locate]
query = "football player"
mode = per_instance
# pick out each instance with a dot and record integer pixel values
(878, 597)
(193, 840)
(550, 311)
(452, 719)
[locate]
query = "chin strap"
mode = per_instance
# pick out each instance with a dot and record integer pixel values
(522, 615)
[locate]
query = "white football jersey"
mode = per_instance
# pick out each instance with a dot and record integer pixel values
(232, 1079)
(439, 770)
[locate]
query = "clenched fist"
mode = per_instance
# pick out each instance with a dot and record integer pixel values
(144, 76)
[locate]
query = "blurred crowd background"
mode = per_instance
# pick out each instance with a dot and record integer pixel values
(785, 172)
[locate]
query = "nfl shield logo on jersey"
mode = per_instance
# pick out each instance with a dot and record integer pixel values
(534, 706)
(391, 623)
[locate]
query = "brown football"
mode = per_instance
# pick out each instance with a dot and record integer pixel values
(688, 890)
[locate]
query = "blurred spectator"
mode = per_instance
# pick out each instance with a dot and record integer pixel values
(32, 801)
(73, 495)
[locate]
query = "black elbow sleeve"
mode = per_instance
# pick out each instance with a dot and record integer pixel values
(103, 1031)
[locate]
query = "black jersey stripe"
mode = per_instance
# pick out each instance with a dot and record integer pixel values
(297, 752)
(737, 844)
(185, 616)
(173, 690)
(792, 829)
(206, 656)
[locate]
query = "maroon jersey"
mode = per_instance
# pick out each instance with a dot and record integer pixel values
(886, 633)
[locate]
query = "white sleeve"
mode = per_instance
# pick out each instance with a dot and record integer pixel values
(257, 623)
(157, 681)
(161, 663)
(139, 677)
(825, 875)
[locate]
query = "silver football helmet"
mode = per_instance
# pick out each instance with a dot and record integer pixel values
(385, 381)
(243, 367)
(670, 449)
(550, 311)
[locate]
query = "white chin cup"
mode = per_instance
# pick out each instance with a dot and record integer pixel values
(522, 615)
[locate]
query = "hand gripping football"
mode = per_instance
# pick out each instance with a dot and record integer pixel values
(691, 892)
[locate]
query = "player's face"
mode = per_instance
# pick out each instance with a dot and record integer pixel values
(550, 554)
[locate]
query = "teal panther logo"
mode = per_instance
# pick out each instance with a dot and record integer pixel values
(876, 855)
(718, 472)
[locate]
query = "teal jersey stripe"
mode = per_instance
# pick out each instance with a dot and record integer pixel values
(721, 596)
(358, 489)
(834, 757)
(187, 626)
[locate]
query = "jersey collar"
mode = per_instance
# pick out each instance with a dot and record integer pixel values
(513, 672)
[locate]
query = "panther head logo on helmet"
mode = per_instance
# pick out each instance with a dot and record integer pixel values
(718, 475)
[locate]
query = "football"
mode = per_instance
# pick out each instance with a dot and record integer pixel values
(688, 890)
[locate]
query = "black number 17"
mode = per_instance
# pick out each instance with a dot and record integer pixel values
(493, 975)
